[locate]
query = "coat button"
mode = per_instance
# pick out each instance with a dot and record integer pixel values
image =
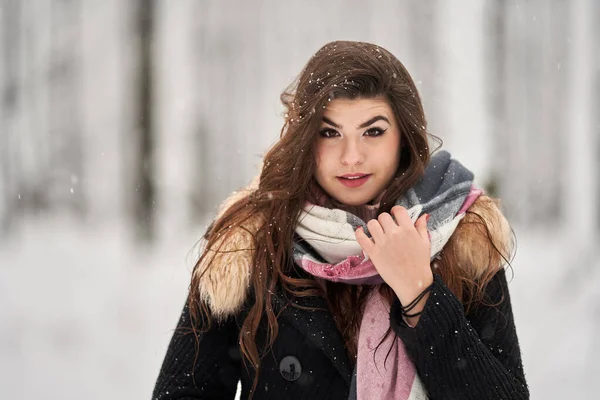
(290, 368)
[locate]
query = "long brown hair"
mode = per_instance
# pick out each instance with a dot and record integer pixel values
(339, 69)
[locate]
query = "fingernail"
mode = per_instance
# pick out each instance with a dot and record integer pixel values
(427, 218)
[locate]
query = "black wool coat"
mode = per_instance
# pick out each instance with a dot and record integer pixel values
(457, 356)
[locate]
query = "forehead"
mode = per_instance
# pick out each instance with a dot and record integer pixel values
(344, 111)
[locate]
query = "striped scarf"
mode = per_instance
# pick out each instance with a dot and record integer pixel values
(326, 247)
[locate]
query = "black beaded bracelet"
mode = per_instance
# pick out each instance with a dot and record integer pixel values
(405, 309)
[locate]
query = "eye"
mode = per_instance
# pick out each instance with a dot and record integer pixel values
(328, 133)
(374, 132)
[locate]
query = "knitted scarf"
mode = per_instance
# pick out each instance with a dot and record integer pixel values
(326, 247)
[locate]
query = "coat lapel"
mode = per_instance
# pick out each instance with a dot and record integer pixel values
(318, 325)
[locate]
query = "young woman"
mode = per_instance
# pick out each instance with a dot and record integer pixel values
(357, 265)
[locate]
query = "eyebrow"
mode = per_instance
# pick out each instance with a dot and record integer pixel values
(363, 125)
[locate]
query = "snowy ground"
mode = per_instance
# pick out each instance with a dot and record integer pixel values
(85, 316)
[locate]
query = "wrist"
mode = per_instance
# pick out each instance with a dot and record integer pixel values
(418, 309)
(413, 304)
(407, 294)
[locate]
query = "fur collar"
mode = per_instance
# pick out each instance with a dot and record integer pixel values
(224, 286)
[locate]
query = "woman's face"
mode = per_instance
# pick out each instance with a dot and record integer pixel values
(357, 150)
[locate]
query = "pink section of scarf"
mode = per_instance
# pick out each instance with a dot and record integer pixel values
(376, 378)
(352, 270)
(473, 195)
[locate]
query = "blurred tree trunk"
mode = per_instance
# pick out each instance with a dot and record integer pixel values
(527, 64)
(596, 99)
(144, 196)
(549, 93)
(580, 175)
(202, 192)
(580, 148)
(496, 81)
(424, 47)
(9, 24)
(65, 176)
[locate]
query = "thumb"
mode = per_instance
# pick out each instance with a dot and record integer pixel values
(421, 226)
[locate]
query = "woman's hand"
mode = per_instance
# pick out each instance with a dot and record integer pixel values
(400, 252)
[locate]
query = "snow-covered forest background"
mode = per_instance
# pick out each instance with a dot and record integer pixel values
(124, 124)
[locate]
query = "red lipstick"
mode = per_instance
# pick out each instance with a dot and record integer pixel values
(354, 180)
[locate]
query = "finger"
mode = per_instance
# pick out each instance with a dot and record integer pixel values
(363, 240)
(387, 222)
(421, 226)
(376, 230)
(401, 215)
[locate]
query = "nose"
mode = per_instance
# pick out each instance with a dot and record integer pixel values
(352, 154)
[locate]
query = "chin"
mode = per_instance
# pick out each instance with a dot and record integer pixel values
(354, 201)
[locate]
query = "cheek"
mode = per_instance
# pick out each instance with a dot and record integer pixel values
(321, 167)
(395, 161)
(395, 156)
(321, 156)
(390, 163)
(318, 164)
(387, 153)
(389, 159)
(318, 161)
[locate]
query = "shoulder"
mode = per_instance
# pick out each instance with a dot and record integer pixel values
(482, 240)
(223, 274)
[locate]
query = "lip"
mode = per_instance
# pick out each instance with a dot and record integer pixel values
(356, 182)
